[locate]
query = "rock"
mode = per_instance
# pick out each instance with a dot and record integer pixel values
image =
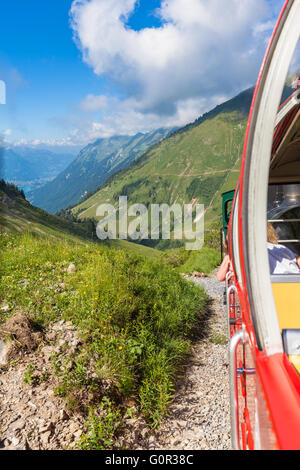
(71, 269)
(51, 336)
(7, 352)
(69, 437)
(32, 405)
(4, 308)
(63, 415)
(6, 443)
(45, 437)
(48, 426)
(15, 441)
(78, 434)
(17, 425)
(49, 351)
(73, 427)
(197, 274)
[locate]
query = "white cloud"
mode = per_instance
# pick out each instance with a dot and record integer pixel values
(94, 103)
(203, 49)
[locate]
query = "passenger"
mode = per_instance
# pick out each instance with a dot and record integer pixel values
(226, 265)
(282, 260)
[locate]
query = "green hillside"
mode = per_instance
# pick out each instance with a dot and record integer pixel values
(194, 164)
(17, 215)
(94, 164)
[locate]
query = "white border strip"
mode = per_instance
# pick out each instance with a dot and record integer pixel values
(265, 309)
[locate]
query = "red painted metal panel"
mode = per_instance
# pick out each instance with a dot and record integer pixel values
(276, 383)
(280, 385)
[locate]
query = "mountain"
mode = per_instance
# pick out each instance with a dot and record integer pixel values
(94, 164)
(194, 164)
(14, 167)
(48, 163)
(30, 167)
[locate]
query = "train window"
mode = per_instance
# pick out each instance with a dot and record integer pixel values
(283, 209)
(284, 214)
(271, 157)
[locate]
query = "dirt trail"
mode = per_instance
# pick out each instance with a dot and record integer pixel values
(200, 415)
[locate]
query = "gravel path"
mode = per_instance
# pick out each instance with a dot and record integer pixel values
(213, 287)
(200, 415)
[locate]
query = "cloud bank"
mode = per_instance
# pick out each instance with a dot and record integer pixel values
(203, 52)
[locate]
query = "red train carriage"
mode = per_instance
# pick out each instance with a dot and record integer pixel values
(264, 309)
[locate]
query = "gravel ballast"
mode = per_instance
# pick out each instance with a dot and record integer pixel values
(200, 414)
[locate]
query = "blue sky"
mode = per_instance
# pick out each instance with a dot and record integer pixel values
(42, 67)
(133, 66)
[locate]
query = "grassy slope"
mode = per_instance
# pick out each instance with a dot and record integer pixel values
(203, 261)
(18, 215)
(135, 316)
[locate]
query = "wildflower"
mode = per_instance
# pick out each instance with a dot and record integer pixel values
(120, 348)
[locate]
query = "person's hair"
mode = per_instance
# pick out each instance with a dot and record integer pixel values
(272, 235)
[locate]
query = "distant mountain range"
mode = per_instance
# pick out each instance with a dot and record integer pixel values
(30, 167)
(94, 164)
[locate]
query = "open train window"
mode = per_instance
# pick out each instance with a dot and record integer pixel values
(284, 214)
(283, 209)
(271, 157)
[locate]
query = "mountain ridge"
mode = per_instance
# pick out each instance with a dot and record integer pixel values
(192, 165)
(195, 164)
(94, 163)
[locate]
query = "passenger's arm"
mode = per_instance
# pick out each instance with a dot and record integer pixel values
(223, 269)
